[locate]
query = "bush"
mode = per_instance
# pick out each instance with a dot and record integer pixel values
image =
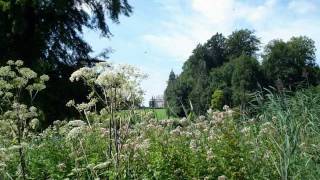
(217, 100)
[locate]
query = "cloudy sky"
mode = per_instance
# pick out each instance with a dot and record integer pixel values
(160, 34)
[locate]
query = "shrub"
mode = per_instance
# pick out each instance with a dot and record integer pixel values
(217, 100)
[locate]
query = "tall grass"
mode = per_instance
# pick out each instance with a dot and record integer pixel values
(293, 141)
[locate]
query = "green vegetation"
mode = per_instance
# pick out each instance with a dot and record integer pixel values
(217, 100)
(157, 113)
(272, 130)
(48, 37)
(160, 114)
(280, 140)
(231, 65)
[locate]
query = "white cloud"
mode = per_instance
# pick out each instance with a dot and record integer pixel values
(303, 7)
(270, 19)
(178, 46)
(229, 11)
(256, 14)
(286, 30)
(186, 29)
(218, 11)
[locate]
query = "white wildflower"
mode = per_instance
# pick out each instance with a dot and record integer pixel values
(83, 107)
(2, 165)
(19, 63)
(197, 133)
(144, 144)
(8, 95)
(201, 118)
(184, 122)
(19, 82)
(245, 130)
(78, 170)
(200, 125)
(57, 123)
(226, 108)
(36, 87)
(70, 103)
(193, 145)
(27, 73)
(85, 73)
(61, 167)
(34, 123)
(176, 131)
(4, 71)
(266, 128)
(10, 62)
(266, 125)
(222, 177)
(74, 133)
(187, 134)
(33, 109)
(209, 155)
(76, 123)
(44, 78)
(101, 165)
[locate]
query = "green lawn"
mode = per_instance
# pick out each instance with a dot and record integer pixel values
(160, 114)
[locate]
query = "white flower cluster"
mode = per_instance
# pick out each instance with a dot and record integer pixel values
(14, 78)
(76, 123)
(86, 74)
(109, 82)
(74, 133)
(27, 73)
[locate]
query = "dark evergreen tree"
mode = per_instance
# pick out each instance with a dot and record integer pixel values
(170, 95)
(47, 36)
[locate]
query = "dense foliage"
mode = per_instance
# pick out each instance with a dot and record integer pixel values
(281, 141)
(48, 36)
(232, 65)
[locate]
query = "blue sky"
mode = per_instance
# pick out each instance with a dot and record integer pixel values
(160, 34)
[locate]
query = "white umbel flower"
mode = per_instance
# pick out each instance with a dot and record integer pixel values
(76, 123)
(27, 73)
(74, 133)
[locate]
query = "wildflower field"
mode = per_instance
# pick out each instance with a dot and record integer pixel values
(238, 83)
(278, 139)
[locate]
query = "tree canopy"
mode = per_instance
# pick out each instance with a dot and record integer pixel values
(51, 30)
(227, 70)
(290, 62)
(48, 36)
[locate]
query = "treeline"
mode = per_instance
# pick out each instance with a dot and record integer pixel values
(226, 70)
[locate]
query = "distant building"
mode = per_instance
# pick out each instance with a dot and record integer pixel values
(156, 102)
